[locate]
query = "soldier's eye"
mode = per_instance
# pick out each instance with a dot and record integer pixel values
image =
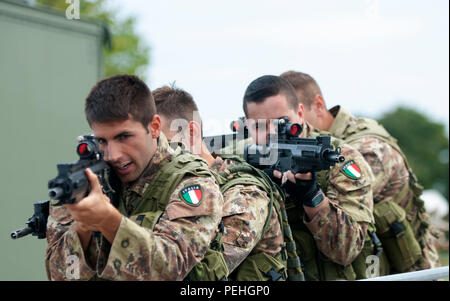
(124, 137)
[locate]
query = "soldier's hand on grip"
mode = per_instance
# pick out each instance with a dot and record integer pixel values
(304, 189)
(94, 208)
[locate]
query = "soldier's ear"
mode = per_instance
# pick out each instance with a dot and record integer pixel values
(154, 126)
(195, 130)
(318, 104)
(195, 137)
(301, 113)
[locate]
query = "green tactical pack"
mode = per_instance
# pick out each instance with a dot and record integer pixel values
(316, 266)
(401, 230)
(154, 202)
(260, 266)
(396, 236)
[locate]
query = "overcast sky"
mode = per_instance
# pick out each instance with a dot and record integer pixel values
(367, 55)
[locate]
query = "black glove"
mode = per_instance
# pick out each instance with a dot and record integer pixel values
(304, 192)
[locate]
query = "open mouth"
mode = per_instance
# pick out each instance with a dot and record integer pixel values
(124, 166)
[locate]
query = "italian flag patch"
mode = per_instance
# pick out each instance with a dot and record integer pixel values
(192, 195)
(351, 170)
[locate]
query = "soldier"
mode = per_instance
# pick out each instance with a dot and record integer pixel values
(330, 220)
(169, 205)
(395, 182)
(253, 242)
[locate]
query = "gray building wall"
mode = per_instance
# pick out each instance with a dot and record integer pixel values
(47, 66)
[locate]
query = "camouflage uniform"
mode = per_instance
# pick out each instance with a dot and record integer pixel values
(176, 244)
(338, 230)
(245, 212)
(391, 178)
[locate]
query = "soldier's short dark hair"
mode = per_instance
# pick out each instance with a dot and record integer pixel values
(117, 97)
(304, 85)
(175, 103)
(267, 86)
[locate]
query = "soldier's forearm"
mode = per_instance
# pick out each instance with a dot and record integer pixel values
(337, 234)
(65, 258)
(138, 253)
(311, 212)
(84, 235)
(111, 225)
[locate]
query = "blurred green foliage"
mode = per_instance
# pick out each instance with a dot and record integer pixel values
(424, 143)
(128, 53)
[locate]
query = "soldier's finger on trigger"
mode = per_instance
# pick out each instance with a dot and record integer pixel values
(93, 180)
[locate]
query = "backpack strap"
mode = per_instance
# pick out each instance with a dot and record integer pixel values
(168, 178)
(257, 177)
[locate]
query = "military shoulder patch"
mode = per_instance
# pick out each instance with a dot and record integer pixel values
(192, 195)
(351, 170)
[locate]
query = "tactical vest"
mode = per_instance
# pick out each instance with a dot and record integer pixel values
(260, 266)
(402, 233)
(154, 202)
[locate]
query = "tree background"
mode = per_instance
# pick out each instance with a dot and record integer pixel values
(127, 52)
(425, 144)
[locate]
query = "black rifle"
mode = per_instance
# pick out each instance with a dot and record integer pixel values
(216, 143)
(286, 151)
(71, 185)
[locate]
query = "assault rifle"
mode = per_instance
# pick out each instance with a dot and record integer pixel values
(286, 151)
(71, 185)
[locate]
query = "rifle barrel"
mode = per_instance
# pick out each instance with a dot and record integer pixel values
(21, 232)
(335, 158)
(55, 193)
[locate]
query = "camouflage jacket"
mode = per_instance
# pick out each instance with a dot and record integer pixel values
(339, 229)
(245, 212)
(390, 172)
(178, 241)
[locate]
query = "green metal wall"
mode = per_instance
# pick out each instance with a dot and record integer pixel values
(47, 66)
